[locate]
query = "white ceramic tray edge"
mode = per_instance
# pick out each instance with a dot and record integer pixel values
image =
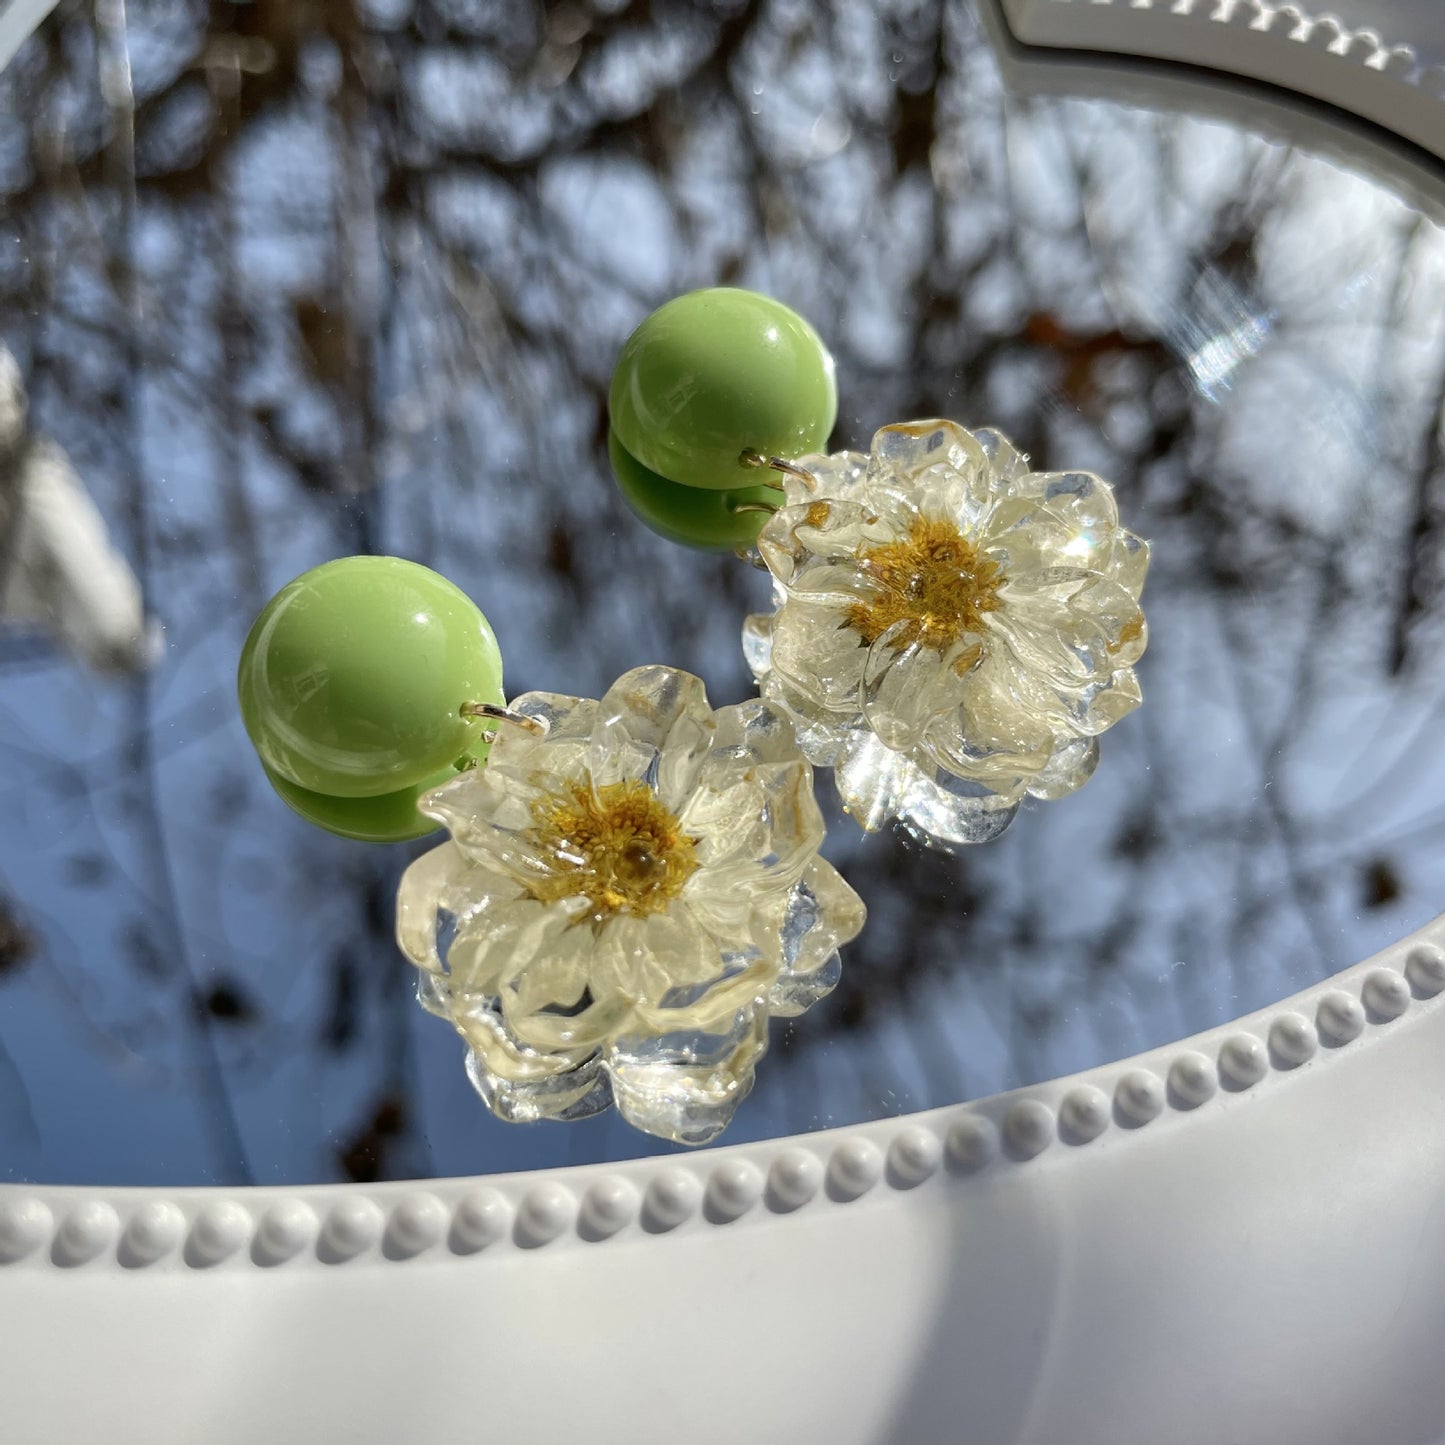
(1379, 78)
(1050, 1125)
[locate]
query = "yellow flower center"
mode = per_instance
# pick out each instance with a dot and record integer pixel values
(934, 579)
(615, 845)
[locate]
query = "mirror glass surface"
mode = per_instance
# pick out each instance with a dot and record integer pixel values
(282, 282)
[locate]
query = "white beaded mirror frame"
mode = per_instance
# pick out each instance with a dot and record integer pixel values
(1381, 60)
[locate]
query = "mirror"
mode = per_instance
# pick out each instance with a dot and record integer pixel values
(283, 282)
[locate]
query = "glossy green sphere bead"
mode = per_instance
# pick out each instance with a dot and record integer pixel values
(386, 818)
(352, 678)
(695, 516)
(715, 373)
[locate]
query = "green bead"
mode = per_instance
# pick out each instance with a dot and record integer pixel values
(352, 678)
(386, 818)
(715, 373)
(694, 516)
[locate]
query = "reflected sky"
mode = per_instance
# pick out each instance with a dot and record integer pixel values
(285, 282)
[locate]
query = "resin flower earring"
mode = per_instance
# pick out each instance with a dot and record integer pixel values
(951, 631)
(632, 885)
(630, 892)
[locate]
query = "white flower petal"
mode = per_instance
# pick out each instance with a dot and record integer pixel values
(443, 888)
(819, 655)
(499, 949)
(768, 848)
(907, 685)
(654, 724)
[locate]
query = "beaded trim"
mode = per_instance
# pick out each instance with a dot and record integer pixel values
(1326, 34)
(142, 1231)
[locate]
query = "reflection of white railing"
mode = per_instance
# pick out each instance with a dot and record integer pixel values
(17, 19)
(1383, 60)
(58, 568)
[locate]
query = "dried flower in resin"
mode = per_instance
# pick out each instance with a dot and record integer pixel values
(952, 631)
(627, 896)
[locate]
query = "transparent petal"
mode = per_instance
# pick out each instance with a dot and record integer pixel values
(494, 1049)
(488, 812)
(748, 733)
(1117, 612)
(934, 467)
(821, 914)
(1081, 501)
(758, 643)
(1070, 767)
(563, 1030)
(727, 818)
(872, 780)
(840, 475)
(687, 952)
(813, 549)
(1005, 460)
(518, 757)
(622, 964)
(1124, 559)
(755, 829)
(560, 1086)
(818, 654)
(502, 943)
(716, 980)
(1068, 651)
(653, 724)
(821, 731)
(991, 739)
(1074, 690)
(439, 892)
(949, 814)
(549, 966)
(567, 719)
(906, 686)
(1029, 544)
(687, 1086)
(906, 450)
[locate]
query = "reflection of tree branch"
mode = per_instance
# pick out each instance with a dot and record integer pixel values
(1422, 569)
(464, 351)
(113, 46)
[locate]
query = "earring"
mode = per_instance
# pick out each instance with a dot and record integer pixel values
(632, 885)
(951, 631)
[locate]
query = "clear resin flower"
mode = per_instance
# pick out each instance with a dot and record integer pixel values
(952, 631)
(629, 893)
